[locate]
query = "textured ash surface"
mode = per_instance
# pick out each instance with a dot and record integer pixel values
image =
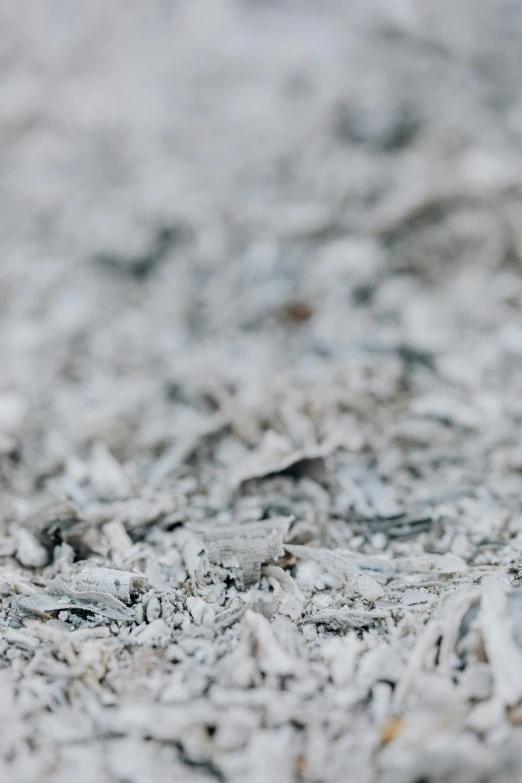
(260, 412)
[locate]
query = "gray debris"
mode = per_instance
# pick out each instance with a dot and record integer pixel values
(292, 599)
(350, 576)
(55, 522)
(58, 597)
(125, 585)
(273, 458)
(260, 411)
(503, 653)
(242, 549)
(29, 551)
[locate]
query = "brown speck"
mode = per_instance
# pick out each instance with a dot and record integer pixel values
(392, 729)
(301, 764)
(297, 311)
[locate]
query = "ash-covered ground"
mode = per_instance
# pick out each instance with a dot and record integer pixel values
(260, 391)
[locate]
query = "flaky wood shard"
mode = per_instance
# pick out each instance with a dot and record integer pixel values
(125, 585)
(244, 548)
(59, 596)
(308, 461)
